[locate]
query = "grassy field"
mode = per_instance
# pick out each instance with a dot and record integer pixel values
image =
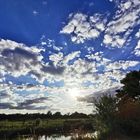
(45, 126)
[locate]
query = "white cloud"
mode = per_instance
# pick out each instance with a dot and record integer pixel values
(122, 25)
(100, 72)
(56, 58)
(124, 65)
(126, 5)
(107, 39)
(18, 59)
(33, 97)
(81, 27)
(137, 49)
(71, 56)
(37, 98)
(117, 31)
(138, 34)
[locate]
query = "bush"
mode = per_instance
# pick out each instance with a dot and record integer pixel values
(106, 116)
(38, 122)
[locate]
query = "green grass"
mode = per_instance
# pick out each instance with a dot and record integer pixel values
(38, 126)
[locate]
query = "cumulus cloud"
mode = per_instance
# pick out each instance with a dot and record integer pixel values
(116, 30)
(137, 49)
(138, 34)
(32, 104)
(56, 58)
(93, 74)
(29, 98)
(11, 98)
(17, 59)
(83, 27)
(99, 72)
(119, 29)
(124, 65)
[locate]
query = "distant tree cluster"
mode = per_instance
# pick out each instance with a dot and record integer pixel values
(49, 115)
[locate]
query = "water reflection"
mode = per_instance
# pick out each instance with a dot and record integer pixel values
(53, 137)
(57, 137)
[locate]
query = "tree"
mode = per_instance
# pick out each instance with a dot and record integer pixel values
(131, 88)
(129, 103)
(49, 114)
(120, 114)
(106, 111)
(57, 115)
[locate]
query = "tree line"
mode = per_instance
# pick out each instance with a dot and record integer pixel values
(48, 115)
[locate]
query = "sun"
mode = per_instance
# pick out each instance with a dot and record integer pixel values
(74, 92)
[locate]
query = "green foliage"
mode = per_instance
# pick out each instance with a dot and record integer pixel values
(106, 108)
(38, 122)
(129, 104)
(121, 114)
(131, 86)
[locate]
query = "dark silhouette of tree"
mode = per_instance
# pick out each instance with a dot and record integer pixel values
(129, 103)
(131, 88)
(57, 115)
(78, 115)
(122, 113)
(49, 114)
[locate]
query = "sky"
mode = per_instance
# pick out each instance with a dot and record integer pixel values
(58, 55)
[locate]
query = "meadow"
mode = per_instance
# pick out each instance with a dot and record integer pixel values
(11, 129)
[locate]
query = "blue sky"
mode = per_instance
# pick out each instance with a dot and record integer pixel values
(55, 54)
